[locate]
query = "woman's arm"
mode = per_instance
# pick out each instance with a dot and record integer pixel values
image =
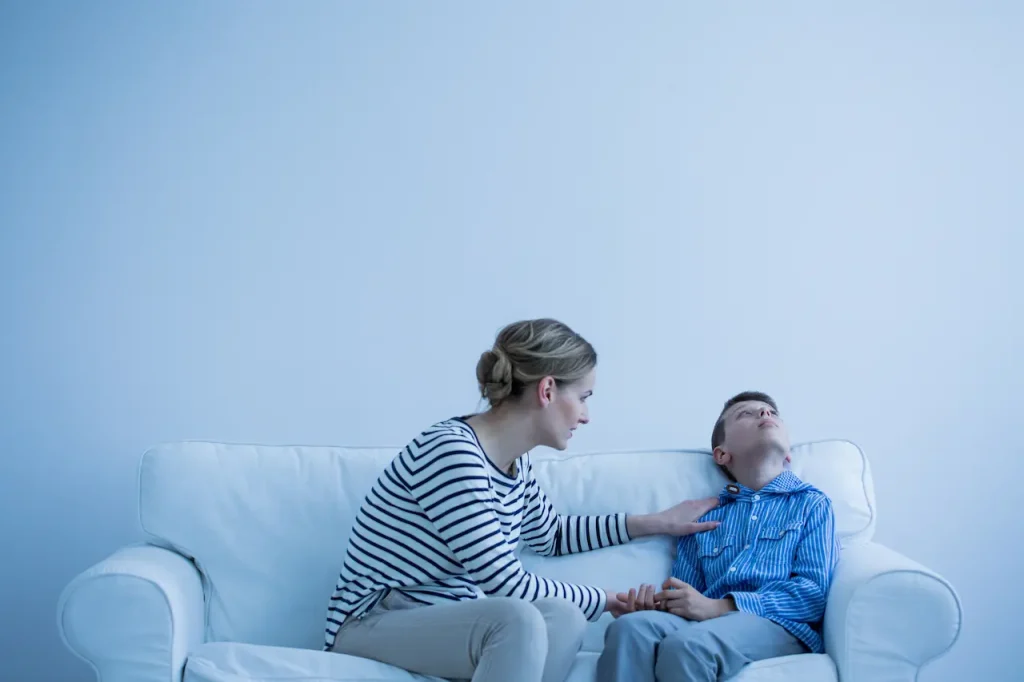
(450, 483)
(677, 521)
(549, 533)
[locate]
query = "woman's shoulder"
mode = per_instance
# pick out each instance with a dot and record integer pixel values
(444, 437)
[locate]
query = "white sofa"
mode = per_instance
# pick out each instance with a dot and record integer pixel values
(246, 542)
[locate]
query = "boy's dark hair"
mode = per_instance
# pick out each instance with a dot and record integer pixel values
(718, 433)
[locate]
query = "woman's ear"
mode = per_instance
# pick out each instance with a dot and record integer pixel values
(546, 391)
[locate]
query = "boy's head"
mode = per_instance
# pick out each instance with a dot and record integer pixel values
(748, 431)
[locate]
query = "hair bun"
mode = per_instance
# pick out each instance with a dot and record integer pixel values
(494, 374)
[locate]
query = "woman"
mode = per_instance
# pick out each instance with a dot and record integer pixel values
(438, 530)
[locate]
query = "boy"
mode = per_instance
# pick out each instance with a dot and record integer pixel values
(753, 588)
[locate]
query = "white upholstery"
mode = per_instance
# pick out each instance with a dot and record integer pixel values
(265, 527)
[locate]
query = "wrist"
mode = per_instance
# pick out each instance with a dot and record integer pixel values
(726, 605)
(609, 600)
(641, 525)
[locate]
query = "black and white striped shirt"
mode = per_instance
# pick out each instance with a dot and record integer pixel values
(442, 523)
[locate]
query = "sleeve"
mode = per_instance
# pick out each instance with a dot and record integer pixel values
(686, 567)
(549, 533)
(802, 597)
(449, 481)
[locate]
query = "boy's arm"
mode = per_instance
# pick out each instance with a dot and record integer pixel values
(802, 597)
(686, 567)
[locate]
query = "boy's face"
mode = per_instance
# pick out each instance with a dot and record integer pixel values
(754, 432)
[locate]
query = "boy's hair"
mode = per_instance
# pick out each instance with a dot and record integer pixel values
(718, 433)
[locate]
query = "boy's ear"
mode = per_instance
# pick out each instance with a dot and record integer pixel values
(721, 456)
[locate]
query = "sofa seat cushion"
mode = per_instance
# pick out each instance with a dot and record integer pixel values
(232, 662)
(799, 668)
(235, 662)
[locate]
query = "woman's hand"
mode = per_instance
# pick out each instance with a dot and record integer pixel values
(678, 520)
(621, 603)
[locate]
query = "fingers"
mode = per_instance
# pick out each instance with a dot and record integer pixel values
(670, 600)
(703, 526)
(673, 589)
(646, 597)
(673, 583)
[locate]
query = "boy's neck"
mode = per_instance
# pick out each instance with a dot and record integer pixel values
(758, 477)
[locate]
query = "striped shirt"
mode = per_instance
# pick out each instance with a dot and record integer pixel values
(774, 553)
(442, 523)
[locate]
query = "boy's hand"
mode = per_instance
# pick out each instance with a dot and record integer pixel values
(681, 599)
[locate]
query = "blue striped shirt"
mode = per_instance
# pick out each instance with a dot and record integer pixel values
(774, 553)
(443, 524)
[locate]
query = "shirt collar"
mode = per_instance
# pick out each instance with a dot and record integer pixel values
(783, 484)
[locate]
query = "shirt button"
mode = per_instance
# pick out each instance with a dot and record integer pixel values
(756, 498)
(732, 568)
(715, 549)
(753, 518)
(746, 546)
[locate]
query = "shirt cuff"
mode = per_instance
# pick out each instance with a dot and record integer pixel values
(602, 602)
(749, 602)
(620, 521)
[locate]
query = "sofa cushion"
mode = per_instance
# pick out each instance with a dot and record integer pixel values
(799, 668)
(233, 662)
(267, 526)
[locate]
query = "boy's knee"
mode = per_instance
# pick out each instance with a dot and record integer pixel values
(689, 657)
(632, 627)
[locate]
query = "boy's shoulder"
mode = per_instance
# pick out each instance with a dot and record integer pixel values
(809, 491)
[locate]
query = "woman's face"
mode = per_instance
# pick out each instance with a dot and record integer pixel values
(564, 409)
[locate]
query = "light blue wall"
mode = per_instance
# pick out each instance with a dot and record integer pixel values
(303, 222)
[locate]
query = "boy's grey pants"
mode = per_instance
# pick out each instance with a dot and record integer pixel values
(649, 646)
(496, 639)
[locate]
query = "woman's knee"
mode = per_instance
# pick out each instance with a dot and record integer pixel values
(562, 616)
(521, 620)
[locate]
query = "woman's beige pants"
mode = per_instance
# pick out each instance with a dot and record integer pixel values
(495, 639)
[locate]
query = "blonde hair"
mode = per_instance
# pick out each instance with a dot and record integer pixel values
(527, 351)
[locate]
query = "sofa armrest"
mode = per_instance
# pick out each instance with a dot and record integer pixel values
(888, 616)
(134, 616)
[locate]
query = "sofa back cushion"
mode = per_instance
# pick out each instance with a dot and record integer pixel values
(268, 525)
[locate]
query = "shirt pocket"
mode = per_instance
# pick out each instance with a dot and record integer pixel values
(779, 541)
(713, 546)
